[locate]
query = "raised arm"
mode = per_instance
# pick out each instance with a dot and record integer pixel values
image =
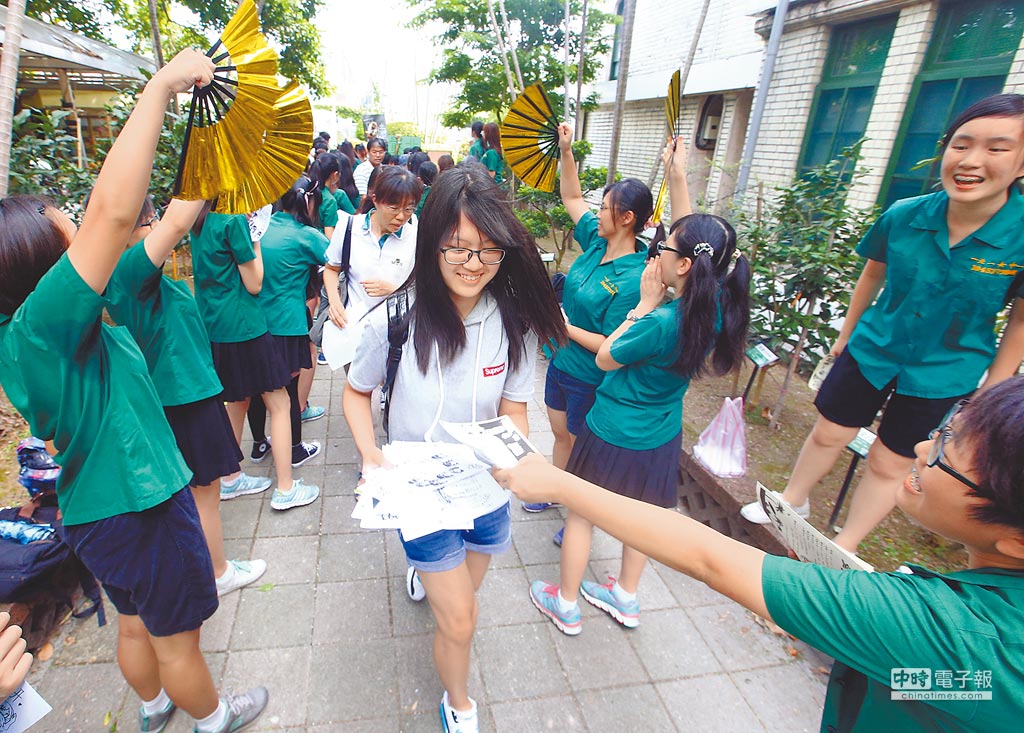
(674, 159)
(171, 228)
(124, 178)
(569, 180)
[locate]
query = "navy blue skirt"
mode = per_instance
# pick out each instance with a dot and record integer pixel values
(249, 368)
(294, 352)
(651, 476)
(205, 439)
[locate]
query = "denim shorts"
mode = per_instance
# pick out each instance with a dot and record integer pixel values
(446, 549)
(153, 564)
(565, 393)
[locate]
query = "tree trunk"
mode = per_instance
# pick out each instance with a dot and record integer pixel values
(501, 49)
(628, 13)
(565, 70)
(511, 46)
(794, 362)
(9, 85)
(578, 123)
(154, 29)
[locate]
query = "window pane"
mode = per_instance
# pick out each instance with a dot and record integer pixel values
(980, 29)
(860, 48)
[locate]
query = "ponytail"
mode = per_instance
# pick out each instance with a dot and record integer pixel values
(713, 313)
(296, 202)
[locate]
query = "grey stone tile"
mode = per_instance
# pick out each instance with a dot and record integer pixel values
(238, 549)
(359, 609)
(533, 540)
(504, 598)
(420, 689)
(302, 520)
(507, 559)
(279, 617)
(337, 516)
(600, 656)
(317, 429)
(289, 559)
(396, 562)
(710, 704)
(519, 661)
(687, 591)
(351, 556)
(735, 638)
(605, 547)
(86, 642)
(285, 672)
(216, 632)
(408, 617)
(338, 427)
(341, 450)
(239, 518)
(545, 714)
(786, 698)
(625, 708)
(340, 478)
(670, 646)
(353, 680)
(82, 696)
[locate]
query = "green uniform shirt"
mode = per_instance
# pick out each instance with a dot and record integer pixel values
(85, 386)
(423, 200)
(476, 150)
(597, 297)
(344, 202)
(639, 406)
(162, 316)
(289, 250)
(328, 211)
(933, 326)
(230, 312)
(965, 628)
(492, 159)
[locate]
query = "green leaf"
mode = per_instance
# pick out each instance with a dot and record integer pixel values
(266, 588)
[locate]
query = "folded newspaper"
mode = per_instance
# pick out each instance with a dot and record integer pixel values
(805, 541)
(435, 486)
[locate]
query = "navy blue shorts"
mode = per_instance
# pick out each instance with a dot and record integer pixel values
(565, 393)
(847, 398)
(446, 548)
(154, 564)
(205, 438)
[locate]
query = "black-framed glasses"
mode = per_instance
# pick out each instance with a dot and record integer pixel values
(462, 255)
(151, 221)
(940, 436)
(662, 247)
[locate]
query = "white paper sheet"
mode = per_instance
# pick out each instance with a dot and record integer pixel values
(497, 441)
(22, 709)
(339, 344)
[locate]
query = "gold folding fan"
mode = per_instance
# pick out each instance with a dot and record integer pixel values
(672, 121)
(529, 139)
(232, 119)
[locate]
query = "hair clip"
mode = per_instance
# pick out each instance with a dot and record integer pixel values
(703, 248)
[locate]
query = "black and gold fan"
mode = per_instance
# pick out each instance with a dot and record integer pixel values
(672, 104)
(529, 139)
(232, 119)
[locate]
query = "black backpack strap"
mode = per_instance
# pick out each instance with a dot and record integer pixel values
(1013, 291)
(398, 332)
(346, 257)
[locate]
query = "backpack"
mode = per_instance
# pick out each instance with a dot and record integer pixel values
(44, 576)
(398, 333)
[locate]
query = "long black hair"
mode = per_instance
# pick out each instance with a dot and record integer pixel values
(631, 194)
(30, 244)
(521, 285)
(996, 105)
(347, 183)
(712, 291)
(304, 195)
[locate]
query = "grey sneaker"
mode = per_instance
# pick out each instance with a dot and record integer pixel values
(244, 484)
(156, 722)
(243, 709)
(299, 495)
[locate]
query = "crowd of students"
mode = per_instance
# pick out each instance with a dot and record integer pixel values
(147, 421)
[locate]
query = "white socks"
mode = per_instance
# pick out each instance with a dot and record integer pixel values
(214, 721)
(157, 704)
(564, 606)
(622, 595)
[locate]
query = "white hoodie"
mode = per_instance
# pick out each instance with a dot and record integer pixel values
(468, 389)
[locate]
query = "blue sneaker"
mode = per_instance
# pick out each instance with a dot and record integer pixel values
(538, 507)
(557, 539)
(627, 614)
(321, 359)
(157, 721)
(244, 484)
(300, 495)
(545, 598)
(312, 413)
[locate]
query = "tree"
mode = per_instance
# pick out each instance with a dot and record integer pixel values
(80, 16)
(803, 259)
(472, 60)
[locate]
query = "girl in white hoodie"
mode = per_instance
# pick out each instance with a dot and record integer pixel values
(483, 300)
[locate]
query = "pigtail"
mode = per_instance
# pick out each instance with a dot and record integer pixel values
(696, 316)
(735, 304)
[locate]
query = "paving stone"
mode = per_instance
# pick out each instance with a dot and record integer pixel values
(519, 661)
(688, 592)
(279, 617)
(504, 598)
(507, 559)
(670, 646)
(787, 698)
(600, 656)
(420, 690)
(340, 479)
(86, 642)
(396, 562)
(521, 515)
(736, 640)
(239, 518)
(358, 609)
(711, 704)
(533, 541)
(216, 632)
(317, 429)
(545, 714)
(625, 708)
(353, 680)
(351, 557)
(285, 672)
(82, 697)
(337, 516)
(289, 559)
(408, 618)
(302, 520)
(342, 450)
(181, 722)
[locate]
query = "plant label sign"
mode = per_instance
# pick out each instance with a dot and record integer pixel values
(862, 442)
(761, 355)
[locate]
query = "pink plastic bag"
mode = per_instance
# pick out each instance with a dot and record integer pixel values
(722, 447)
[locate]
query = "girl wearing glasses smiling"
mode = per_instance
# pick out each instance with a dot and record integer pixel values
(482, 302)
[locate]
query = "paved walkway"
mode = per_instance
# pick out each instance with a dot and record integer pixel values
(341, 647)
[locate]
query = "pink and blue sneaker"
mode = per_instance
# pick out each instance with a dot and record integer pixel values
(545, 598)
(602, 596)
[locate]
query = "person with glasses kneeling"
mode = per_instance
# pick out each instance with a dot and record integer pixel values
(967, 484)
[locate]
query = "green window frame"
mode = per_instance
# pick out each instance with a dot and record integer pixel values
(968, 58)
(844, 96)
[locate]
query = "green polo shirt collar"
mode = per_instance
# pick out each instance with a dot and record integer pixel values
(998, 231)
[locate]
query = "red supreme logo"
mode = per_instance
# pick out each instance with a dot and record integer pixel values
(493, 371)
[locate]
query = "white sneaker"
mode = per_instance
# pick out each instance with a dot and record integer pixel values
(239, 574)
(458, 721)
(753, 512)
(413, 585)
